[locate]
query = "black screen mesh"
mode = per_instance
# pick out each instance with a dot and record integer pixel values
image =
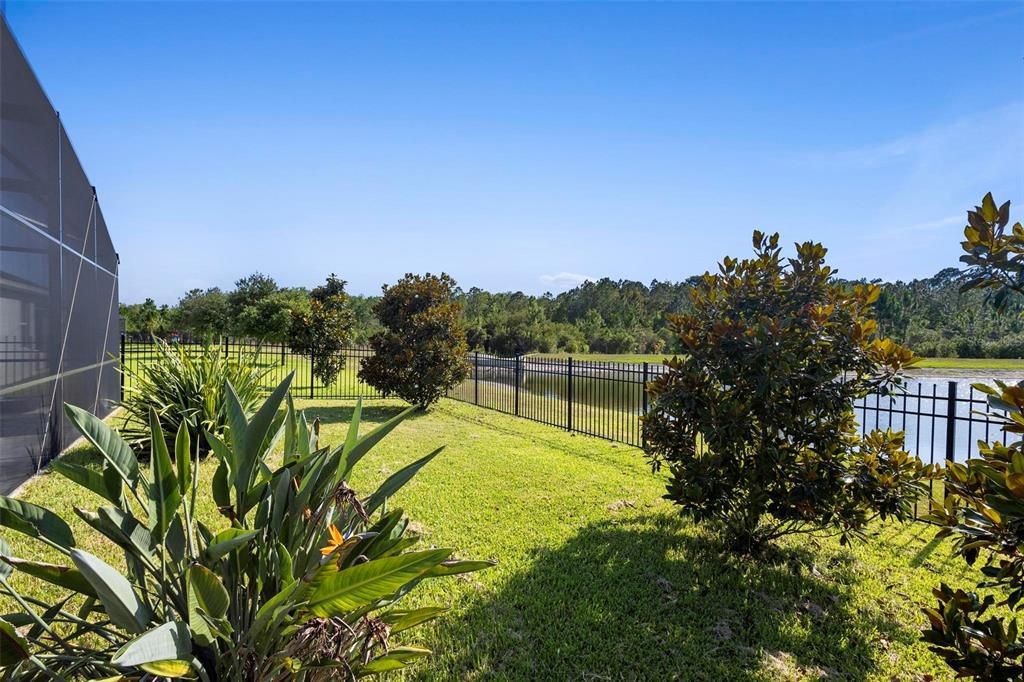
(58, 284)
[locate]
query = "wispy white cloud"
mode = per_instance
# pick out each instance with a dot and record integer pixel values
(929, 225)
(565, 280)
(991, 136)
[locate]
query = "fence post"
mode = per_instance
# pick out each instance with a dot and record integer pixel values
(517, 374)
(643, 392)
(950, 420)
(568, 420)
(120, 360)
(225, 346)
(476, 377)
(311, 375)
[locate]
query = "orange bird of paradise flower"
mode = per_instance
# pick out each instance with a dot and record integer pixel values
(336, 541)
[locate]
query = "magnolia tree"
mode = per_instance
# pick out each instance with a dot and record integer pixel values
(421, 351)
(984, 505)
(755, 423)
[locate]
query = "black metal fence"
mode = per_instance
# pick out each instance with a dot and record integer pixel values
(274, 360)
(941, 419)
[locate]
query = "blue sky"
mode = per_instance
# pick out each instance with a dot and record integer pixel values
(525, 146)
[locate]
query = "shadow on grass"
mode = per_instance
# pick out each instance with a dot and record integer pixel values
(649, 597)
(342, 414)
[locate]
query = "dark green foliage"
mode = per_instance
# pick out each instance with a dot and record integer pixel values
(995, 258)
(929, 315)
(325, 329)
(984, 505)
(421, 351)
(972, 645)
(259, 309)
(301, 582)
(204, 313)
(755, 422)
(143, 320)
(186, 385)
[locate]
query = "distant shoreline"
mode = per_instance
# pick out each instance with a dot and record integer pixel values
(996, 368)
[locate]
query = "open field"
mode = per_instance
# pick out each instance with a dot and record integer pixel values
(599, 578)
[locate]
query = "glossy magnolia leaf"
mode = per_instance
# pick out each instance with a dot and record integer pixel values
(107, 487)
(338, 593)
(110, 445)
(164, 494)
(227, 541)
(35, 521)
(121, 604)
(1015, 483)
(13, 647)
(395, 482)
(167, 642)
(62, 576)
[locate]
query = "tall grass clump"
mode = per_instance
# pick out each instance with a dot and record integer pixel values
(186, 385)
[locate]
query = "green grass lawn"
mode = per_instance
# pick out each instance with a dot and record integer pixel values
(599, 578)
(970, 363)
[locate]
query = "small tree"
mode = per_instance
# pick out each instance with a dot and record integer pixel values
(984, 505)
(325, 329)
(259, 309)
(755, 423)
(421, 351)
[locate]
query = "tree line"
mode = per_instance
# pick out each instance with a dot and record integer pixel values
(930, 315)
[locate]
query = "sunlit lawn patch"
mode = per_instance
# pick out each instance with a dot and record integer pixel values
(597, 575)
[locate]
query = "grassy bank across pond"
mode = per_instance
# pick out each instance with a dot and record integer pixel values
(598, 577)
(926, 363)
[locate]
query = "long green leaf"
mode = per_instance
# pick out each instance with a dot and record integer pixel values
(164, 494)
(256, 432)
(228, 540)
(395, 482)
(457, 567)
(62, 576)
(35, 521)
(395, 659)
(108, 442)
(403, 620)
(362, 584)
(167, 642)
(183, 457)
(207, 591)
(121, 604)
(90, 479)
(356, 453)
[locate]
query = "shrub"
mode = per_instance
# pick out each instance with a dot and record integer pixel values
(421, 351)
(324, 330)
(984, 505)
(301, 579)
(755, 423)
(186, 386)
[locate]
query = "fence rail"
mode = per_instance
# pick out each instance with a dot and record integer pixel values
(941, 419)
